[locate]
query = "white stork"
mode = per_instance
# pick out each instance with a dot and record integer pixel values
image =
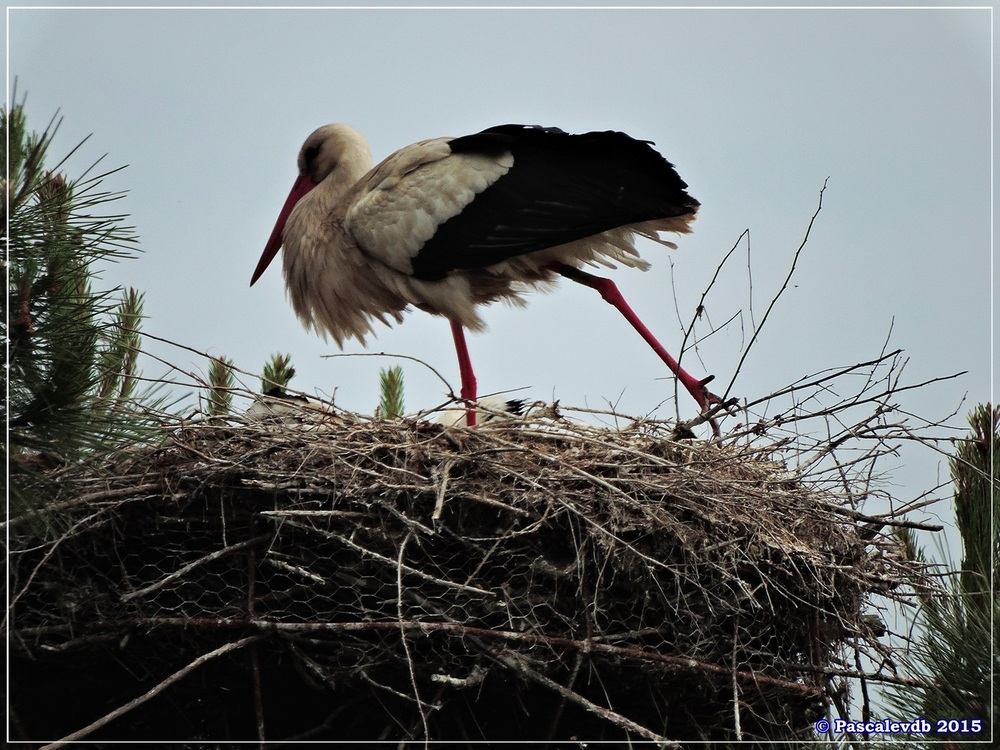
(496, 408)
(451, 223)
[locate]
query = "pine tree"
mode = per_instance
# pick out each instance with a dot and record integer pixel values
(71, 374)
(956, 655)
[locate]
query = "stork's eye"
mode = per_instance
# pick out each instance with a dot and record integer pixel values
(311, 153)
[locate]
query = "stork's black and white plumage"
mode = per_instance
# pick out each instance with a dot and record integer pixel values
(451, 223)
(490, 408)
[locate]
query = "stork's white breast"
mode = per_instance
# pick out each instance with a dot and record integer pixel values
(413, 192)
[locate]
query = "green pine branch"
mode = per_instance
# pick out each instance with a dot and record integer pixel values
(221, 382)
(977, 502)
(72, 349)
(391, 387)
(277, 373)
(957, 653)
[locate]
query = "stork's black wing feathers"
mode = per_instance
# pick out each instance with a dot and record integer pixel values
(561, 188)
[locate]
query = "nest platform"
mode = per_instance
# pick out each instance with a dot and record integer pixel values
(339, 578)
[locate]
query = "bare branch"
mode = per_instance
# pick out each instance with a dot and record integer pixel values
(152, 693)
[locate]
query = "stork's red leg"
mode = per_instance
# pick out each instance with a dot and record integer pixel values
(610, 293)
(465, 369)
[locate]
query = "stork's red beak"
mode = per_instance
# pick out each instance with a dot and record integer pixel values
(302, 186)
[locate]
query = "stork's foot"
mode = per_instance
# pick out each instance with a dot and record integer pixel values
(708, 401)
(711, 404)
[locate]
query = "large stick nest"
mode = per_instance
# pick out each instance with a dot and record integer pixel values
(333, 577)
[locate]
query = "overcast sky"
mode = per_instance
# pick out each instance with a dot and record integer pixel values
(755, 107)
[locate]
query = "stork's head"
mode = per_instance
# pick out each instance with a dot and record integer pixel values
(331, 149)
(336, 155)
